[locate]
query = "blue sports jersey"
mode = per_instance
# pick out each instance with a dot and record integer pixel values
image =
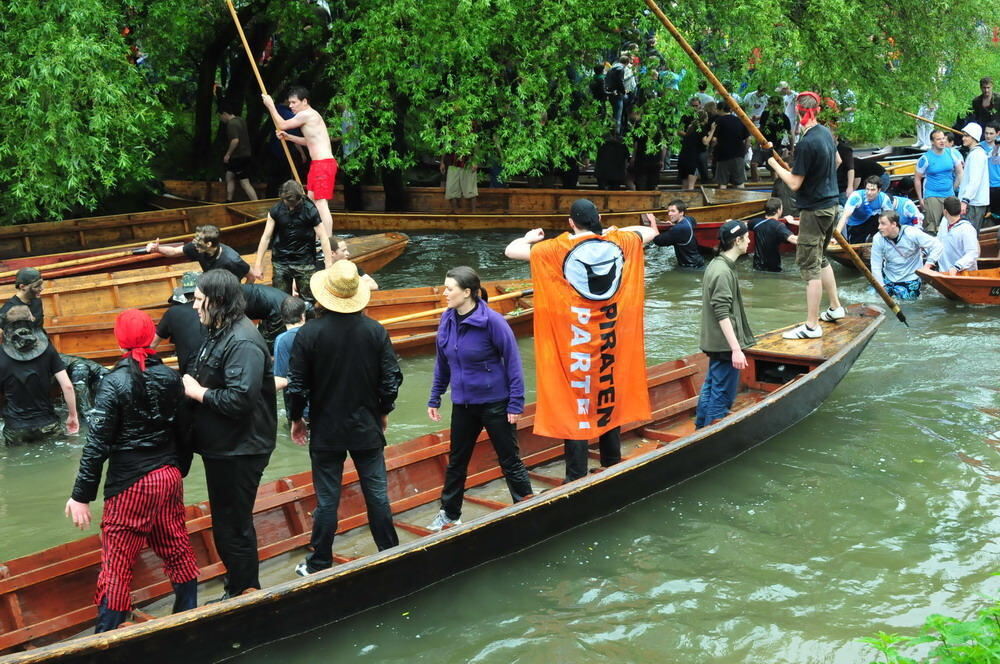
(939, 173)
(906, 209)
(993, 160)
(864, 208)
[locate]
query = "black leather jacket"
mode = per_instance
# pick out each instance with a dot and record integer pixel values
(239, 414)
(138, 436)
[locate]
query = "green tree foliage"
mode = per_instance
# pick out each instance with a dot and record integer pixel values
(80, 120)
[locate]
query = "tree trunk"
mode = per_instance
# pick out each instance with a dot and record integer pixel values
(393, 182)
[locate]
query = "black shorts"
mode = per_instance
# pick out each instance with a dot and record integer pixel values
(240, 167)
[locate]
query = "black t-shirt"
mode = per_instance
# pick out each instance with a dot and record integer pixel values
(28, 388)
(263, 302)
(612, 159)
(816, 160)
(846, 153)
(681, 237)
(227, 259)
(294, 232)
(864, 168)
(35, 307)
(180, 324)
(770, 233)
(731, 136)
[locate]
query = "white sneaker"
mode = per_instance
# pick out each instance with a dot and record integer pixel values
(302, 569)
(803, 332)
(442, 521)
(833, 315)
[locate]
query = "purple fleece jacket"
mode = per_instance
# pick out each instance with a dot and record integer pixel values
(479, 359)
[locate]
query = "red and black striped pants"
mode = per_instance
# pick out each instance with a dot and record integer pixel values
(151, 511)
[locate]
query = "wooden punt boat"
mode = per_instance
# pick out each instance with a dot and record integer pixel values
(91, 335)
(988, 248)
(507, 200)
(150, 287)
(972, 287)
(48, 595)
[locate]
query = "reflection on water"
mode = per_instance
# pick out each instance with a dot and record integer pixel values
(872, 513)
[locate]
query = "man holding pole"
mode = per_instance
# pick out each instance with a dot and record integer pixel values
(316, 138)
(813, 178)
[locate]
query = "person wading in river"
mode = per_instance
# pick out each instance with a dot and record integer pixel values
(813, 178)
(590, 362)
(134, 425)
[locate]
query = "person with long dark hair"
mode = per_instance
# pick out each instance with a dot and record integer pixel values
(134, 426)
(725, 331)
(477, 356)
(234, 421)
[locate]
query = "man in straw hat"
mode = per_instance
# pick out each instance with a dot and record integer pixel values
(27, 364)
(344, 366)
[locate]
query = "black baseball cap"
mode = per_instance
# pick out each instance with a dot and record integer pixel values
(733, 229)
(584, 212)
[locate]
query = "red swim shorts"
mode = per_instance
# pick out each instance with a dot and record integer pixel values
(322, 175)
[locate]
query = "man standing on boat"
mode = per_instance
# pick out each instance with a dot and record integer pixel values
(938, 174)
(813, 178)
(590, 360)
(897, 252)
(292, 230)
(28, 362)
(959, 239)
(316, 138)
(235, 422)
(28, 286)
(974, 192)
(343, 366)
(205, 248)
(725, 330)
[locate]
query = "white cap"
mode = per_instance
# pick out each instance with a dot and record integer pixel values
(974, 130)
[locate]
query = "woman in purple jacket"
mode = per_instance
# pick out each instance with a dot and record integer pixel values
(477, 355)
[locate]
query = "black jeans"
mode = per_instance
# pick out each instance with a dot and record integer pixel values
(862, 232)
(328, 473)
(466, 423)
(576, 451)
(232, 489)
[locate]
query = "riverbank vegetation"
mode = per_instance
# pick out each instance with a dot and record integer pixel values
(96, 92)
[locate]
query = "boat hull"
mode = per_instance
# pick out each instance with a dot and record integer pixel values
(973, 287)
(222, 630)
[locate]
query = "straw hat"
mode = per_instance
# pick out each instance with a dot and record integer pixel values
(340, 289)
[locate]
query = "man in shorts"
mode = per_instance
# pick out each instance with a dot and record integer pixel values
(460, 181)
(813, 178)
(316, 138)
(237, 157)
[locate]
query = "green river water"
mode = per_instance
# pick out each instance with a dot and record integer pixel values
(874, 512)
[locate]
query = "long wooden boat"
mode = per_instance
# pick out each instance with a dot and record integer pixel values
(988, 248)
(150, 287)
(48, 595)
(972, 287)
(507, 200)
(91, 335)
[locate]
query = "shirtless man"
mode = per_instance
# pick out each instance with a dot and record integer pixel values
(316, 138)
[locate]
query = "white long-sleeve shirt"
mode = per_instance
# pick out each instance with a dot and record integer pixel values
(975, 187)
(960, 243)
(896, 261)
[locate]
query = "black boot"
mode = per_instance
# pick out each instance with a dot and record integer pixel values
(185, 595)
(108, 619)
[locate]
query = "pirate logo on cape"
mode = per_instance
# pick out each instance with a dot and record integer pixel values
(594, 269)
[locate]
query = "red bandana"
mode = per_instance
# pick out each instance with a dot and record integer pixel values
(807, 113)
(134, 331)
